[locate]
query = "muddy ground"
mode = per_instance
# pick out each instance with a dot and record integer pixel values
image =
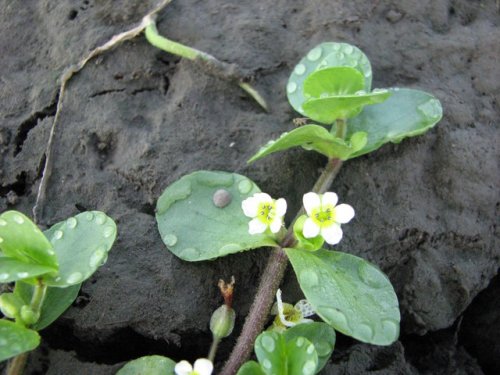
(136, 119)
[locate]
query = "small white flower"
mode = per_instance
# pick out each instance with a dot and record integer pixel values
(202, 366)
(288, 315)
(265, 213)
(325, 217)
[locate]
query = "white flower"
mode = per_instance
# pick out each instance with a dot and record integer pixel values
(325, 217)
(202, 366)
(288, 315)
(265, 213)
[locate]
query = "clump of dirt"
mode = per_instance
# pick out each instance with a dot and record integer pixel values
(137, 119)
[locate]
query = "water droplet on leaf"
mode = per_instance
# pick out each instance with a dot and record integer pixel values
(309, 278)
(322, 348)
(309, 367)
(229, 248)
(314, 54)
(89, 216)
(109, 231)
(268, 343)
(22, 275)
(300, 342)
(74, 278)
(371, 276)
(96, 259)
(363, 332)
(390, 328)
(348, 49)
(291, 87)
(335, 316)
(71, 223)
(245, 186)
(2, 223)
(431, 109)
(18, 219)
(190, 253)
(58, 234)
(267, 364)
(100, 218)
(170, 239)
(310, 349)
(300, 69)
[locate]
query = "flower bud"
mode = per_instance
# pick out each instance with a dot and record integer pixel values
(10, 304)
(29, 316)
(222, 322)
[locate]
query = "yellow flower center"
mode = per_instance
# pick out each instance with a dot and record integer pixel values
(323, 216)
(266, 212)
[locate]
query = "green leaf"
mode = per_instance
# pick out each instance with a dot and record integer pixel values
(279, 357)
(251, 368)
(21, 239)
(335, 81)
(323, 56)
(321, 335)
(349, 293)
(57, 300)
(314, 137)
(406, 113)
(82, 244)
(10, 305)
(330, 108)
(194, 228)
(13, 269)
(149, 365)
(15, 339)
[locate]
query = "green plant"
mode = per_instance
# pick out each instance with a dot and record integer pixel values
(209, 214)
(47, 269)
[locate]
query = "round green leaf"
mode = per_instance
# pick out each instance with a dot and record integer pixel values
(349, 293)
(323, 56)
(314, 137)
(406, 113)
(339, 80)
(15, 339)
(321, 335)
(330, 108)
(82, 244)
(200, 216)
(21, 239)
(149, 365)
(279, 357)
(13, 269)
(57, 301)
(251, 368)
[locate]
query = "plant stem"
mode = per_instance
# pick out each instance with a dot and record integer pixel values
(341, 128)
(213, 349)
(17, 364)
(271, 278)
(168, 45)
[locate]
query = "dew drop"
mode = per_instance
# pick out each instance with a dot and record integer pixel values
(4, 276)
(309, 367)
(267, 364)
(71, 223)
(221, 198)
(371, 276)
(390, 328)
(368, 73)
(300, 69)
(58, 234)
(334, 315)
(22, 275)
(300, 342)
(310, 349)
(18, 219)
(348, 49)
(96, 259)
(309, 278)
(379, 91)
(229, 248)
(314, 54)
(1, 239)
(109, 231)
(100, 218)
(268, 343)
(322, 348)
(291, 87)
(363, 332)
(89, 216)
(2, 223)
(431, 109)
(51, 252)
(341, 55)
(245, 186)
(74, 278)
(190, 253)
(170, 239)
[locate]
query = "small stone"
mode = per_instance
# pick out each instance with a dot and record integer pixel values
(393, 16)
(221, 198)
(12, 198)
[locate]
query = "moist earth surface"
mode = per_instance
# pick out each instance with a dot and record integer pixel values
(136, 119)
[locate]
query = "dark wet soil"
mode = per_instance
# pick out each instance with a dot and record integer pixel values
(136, 119)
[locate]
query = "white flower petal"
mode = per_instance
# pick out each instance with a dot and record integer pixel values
(203, 366)
(276, 224)
(305, 308)
(343, 213)
(329, 199)
(256, 226)
(332, 234)
(262, 197)
(311, 201)
(250, 207)
(281, 207)
(310, 229)
(183, 368)
(280, 310)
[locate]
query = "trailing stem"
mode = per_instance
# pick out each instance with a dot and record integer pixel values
(271, 278)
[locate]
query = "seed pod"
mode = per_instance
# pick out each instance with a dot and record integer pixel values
(222, 322)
